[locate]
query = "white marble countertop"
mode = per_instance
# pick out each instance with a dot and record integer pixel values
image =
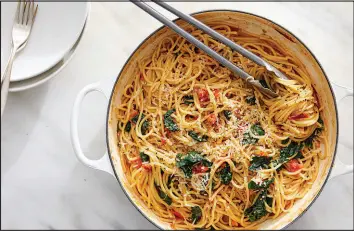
(43, 186)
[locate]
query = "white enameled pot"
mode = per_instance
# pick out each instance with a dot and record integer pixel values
(328, 94)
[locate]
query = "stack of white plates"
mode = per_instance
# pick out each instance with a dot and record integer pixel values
(57, 31)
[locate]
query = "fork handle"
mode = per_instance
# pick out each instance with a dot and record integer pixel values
(5, 80)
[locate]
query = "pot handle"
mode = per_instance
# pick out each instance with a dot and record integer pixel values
(104, 163)
(339, 168)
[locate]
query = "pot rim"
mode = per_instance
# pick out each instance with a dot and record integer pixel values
(241, 12)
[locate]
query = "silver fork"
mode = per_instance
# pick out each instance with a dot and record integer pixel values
(23, 22)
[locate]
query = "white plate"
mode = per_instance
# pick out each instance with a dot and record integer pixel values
(26, 84)
(56, 29)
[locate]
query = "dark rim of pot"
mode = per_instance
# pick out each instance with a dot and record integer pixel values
(237, 11)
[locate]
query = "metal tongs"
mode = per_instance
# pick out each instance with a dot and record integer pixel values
(244, 75)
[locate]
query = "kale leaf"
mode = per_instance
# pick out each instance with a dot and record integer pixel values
(163, 195)
(251, 100)
(186, 163)
(169, 122)
(196, 214)
(144, 126)
(144, 157)
(248, 139)
(198, 138)
(227, 114)
(257, 130)
(292, 150)
(128, 126)
(226, 174)
(258, 209)
(188, 99)
(264, 185)
(259, 162)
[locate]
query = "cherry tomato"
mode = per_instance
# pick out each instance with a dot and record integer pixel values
(163, 141)
(293, 165)
(216, 93)
(212, 119)
(147, 167)
(177, 214)
(203, 95)
(298, 116)
(199, 168)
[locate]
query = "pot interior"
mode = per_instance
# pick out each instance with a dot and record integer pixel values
(260, 27)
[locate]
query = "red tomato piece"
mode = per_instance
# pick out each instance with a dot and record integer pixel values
(293, 165)
(163, 141)
(199, 168)
(133, 113)
(138, 163)
(212, 119)
(141, 77)
(216, 93)
(298, 116)
(147, 167)
(177, 214)
(168, 133)
(234, 223)
(203, 95)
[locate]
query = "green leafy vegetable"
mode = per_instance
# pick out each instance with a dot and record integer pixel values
(128, 126)
(163, 195)
(144, 126)
(259, 162)
(248, 139)
(226, 174)
(169, 122)
(264, 185)
(198, 138)
(227, 114)
(251, 100)
(185, 163)
(258, 209)
(188, 99)
(196, 214)
(285, 141)
(257, 130)
(309, 141)
(144, 157)
(292, 150)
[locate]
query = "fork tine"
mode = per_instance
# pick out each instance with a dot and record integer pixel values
(17, 16)
(24, 12)
(30, 3)
(33, 13)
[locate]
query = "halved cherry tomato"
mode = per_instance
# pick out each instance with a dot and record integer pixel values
(138, 163)
(168, 133)
(212, 119)
(177, 214)
(163, 141)
(216, 93)
(133, 113)
(147, 167)
(238, 113)
(199, 168)
(203, 95)
(298, 116)
(234, 223)
(293, 165)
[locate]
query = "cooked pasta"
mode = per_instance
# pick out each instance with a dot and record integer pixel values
(203, 149)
